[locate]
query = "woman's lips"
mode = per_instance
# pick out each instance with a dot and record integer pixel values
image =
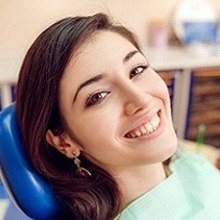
(145, 128)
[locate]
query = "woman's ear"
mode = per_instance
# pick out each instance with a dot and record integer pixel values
(63, 143)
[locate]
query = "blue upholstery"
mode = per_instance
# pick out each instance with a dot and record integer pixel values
(28, 190)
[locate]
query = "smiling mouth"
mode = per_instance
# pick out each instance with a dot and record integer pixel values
(145, 128)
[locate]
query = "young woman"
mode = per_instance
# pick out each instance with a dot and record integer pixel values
(96, 122)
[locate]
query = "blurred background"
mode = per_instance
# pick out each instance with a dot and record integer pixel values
(22, 20)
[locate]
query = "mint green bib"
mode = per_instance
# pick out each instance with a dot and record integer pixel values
(192, 191)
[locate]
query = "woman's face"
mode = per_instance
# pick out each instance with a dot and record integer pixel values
(115, 105)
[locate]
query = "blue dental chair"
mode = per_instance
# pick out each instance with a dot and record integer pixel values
(27, 189)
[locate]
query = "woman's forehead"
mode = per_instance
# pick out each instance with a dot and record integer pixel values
(101, 44)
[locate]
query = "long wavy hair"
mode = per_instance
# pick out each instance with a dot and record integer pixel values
(37, 107)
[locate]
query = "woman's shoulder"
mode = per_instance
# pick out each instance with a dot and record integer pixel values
(190, 159)
(194, 182)
(195, 161)
(194, 168)
(200, 181)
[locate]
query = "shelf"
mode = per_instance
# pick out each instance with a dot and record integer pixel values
(204, 107)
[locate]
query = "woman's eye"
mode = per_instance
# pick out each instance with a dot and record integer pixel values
(137, 70)
(95, 98)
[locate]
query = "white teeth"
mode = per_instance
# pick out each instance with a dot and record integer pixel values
(137, 132)
(149, 127)
(145, 128)
(155, 121)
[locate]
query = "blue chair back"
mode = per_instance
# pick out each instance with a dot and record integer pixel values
(29, 191)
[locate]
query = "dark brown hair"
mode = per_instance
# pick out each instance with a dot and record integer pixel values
(37, 109)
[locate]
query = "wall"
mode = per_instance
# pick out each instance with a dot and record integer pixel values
(22, 20)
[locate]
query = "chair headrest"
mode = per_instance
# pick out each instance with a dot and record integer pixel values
(27, 188)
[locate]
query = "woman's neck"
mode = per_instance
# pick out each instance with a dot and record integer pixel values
(137, 181)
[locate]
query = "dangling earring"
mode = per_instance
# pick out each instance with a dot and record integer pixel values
(80, 171)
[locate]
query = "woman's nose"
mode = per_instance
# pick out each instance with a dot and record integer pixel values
(136, 101)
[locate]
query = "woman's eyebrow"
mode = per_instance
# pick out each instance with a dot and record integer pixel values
(130, 55)
(89, 82)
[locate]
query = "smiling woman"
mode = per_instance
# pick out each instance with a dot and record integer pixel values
(115, 93)
(96, 121)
